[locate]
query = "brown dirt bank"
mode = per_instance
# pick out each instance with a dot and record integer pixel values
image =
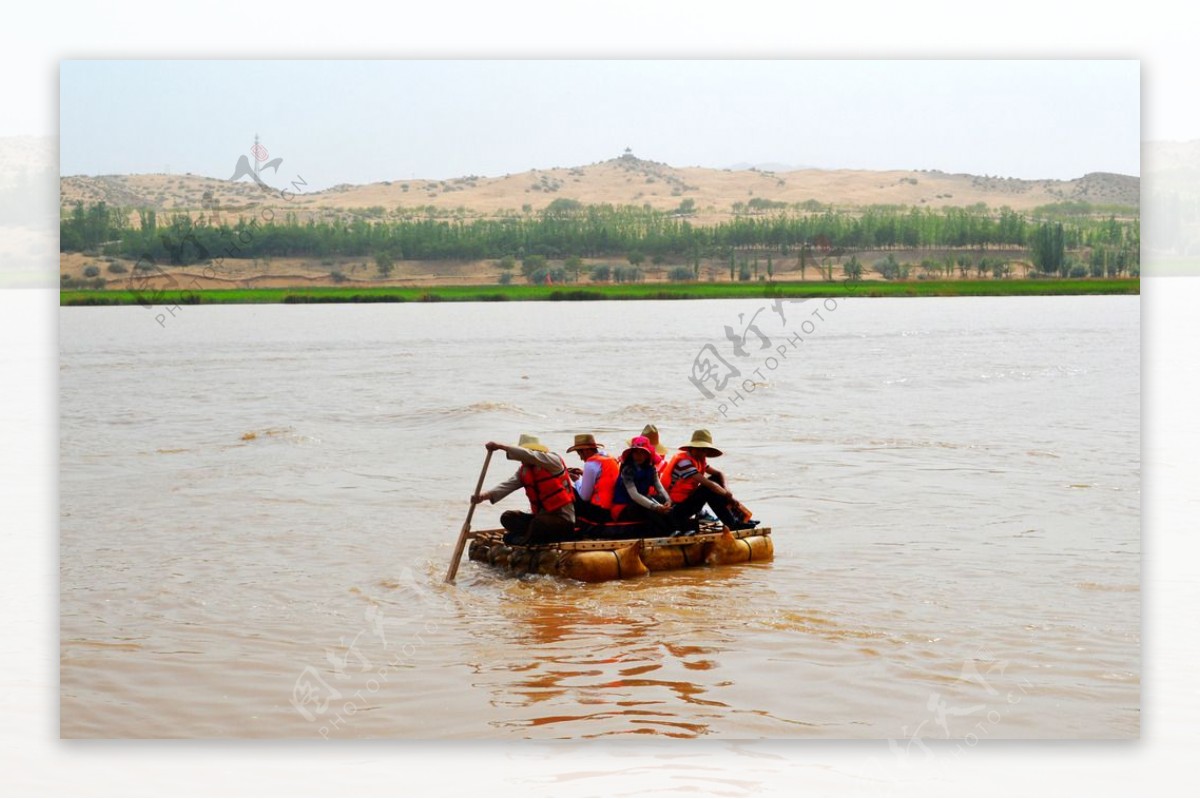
(287, 272)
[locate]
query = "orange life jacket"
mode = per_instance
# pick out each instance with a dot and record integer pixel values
(547, 492)
(606, 481)
(663, 467)
(679, 490)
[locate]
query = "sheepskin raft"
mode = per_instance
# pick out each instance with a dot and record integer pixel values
(597, 561)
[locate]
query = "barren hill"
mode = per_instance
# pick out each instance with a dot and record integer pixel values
(715, 193)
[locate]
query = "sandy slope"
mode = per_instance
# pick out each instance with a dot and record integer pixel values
(619, 181)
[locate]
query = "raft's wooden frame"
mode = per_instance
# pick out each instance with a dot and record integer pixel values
(616, 559)
(711, 533)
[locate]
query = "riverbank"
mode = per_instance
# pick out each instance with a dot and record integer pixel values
(632, 291)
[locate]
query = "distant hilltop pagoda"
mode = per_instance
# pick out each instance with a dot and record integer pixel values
(255, 151)
(628, 155)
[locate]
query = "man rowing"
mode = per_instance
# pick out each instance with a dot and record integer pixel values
(547, 483)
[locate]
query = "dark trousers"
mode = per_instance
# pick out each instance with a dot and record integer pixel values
(527, 529)
(691, 505)
(588, 514)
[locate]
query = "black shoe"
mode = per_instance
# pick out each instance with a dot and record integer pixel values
(749, 524)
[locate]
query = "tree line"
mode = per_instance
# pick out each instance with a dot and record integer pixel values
(573, 230)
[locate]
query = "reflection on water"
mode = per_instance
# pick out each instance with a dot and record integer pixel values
(634, 684)
(258, 505)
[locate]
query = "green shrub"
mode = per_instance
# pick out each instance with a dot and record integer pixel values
(852, 268)
(888, 268)
(627, 274)
(68, 282)
(763, 204)
(531, 264)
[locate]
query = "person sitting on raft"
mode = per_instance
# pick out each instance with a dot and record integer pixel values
(640, 501)
(543, 474)
(691, 484)
(595, 484)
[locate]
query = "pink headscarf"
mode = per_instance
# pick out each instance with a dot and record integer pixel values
(642, 443)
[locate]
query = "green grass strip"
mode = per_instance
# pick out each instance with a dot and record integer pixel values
(634, 291)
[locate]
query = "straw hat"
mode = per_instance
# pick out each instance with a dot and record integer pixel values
(651, 433)
(531, 442)
(638, 442)
(584, 441)
(702, 439)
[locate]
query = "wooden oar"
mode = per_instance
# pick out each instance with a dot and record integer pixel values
(465, 533)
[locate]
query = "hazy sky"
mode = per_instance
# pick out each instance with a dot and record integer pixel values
(362, 121)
